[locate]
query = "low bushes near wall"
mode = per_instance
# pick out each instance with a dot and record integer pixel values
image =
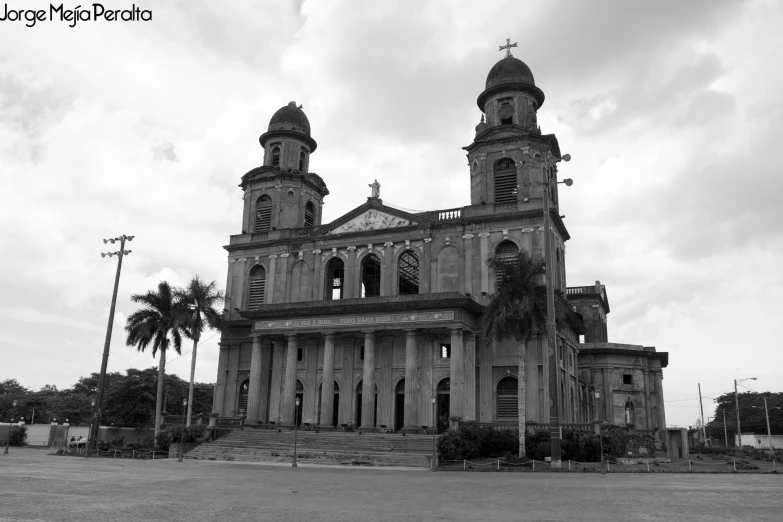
(469, 442)
(174, 433)
(748, 452)
(17, 437)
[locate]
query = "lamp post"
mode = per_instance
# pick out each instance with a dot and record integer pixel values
(182, 431)
(89, 430)
(8, 437)
(769, 433)
(600, 435)
(555, 431)
(102, 379)
(736, 404)
(296, 428)
(434, 466)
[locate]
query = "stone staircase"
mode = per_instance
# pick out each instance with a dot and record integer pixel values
(337, 447)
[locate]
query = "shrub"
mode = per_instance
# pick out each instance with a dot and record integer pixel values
(17, 436)
(175, 433)
(470, 442)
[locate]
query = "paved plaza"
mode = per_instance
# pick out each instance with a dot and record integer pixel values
(39, 487)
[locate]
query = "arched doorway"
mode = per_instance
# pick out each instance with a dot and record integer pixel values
(444, 391)
(335, 403)
(399, 405)
(506, 400)
(300, 396)
(358, 412)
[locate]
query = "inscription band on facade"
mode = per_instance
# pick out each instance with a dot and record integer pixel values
(350, 320)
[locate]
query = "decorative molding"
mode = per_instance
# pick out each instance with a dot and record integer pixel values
(427, 239)
(528, 230)
(334, 251)
(242, 259)
(350, 248)
(483, 234)
(468, 236)
(232, 261)
(388, 244)
(372, 219)
(273, 256)
(448, 240)
(505, 233)
(407, 243)
(301, 254)
(317, 251)
(285, 255)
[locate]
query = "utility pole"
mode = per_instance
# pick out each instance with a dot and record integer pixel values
(736, 405)
(95, 421)
(769, 433)
(725, 431)
(701, 408)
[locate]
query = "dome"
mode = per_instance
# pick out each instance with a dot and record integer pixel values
(290, 117)
(509, 70)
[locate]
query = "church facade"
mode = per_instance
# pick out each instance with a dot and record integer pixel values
(374, 320)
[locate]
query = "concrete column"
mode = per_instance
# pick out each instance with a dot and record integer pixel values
(289, 385)
(468, 277)
(484, 249)
(485, 382)
(659, 395)
(457, 374)
(411, 380)
(270, 281)
(425, 286)
(220, 387)
(350, 276)
(368, 382)
(284, 297)
(469, 397)
(387, 281)
(327, 385)
(254, 388)
(647, 404)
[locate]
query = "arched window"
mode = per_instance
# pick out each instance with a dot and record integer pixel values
(506, 114)
(243, 389)
(371, 276)
(506, 252)
(256, 287)
(505, 181)
(276, 156)
(408, 273)
(309, 217)
(302, 161)
(400, 388)
(335, 278)
(299, 386)
(263, 213)
(630, 415)
(507, 394)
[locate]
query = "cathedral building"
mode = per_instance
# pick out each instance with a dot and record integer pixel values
(374, 319)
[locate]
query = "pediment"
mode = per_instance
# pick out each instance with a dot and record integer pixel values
(372, 219)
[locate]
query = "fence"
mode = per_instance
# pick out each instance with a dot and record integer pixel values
(684, 466)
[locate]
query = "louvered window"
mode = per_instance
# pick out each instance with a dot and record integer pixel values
(243, 397)
(263, 213)
(505, 181)
(256, 289)
(276, 157)
(301, 161)
(506, 252)
(507, 394)
(409, 273)
(335, 273)
(309, 217)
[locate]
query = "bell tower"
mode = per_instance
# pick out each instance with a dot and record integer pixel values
(506, 156)
(283, 193)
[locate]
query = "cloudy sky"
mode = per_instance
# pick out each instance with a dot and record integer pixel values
(672, 111)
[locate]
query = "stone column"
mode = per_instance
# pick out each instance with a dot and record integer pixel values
(469, 397)
(411, 381)
(387, 281)
(468, 277)
(368, 382)
(659, 395)
(254, 388)
(484, 250)
(269, 291)
(220, 387)
(284, 296)
(647, 405)
(327, 385)
(289, 385)
(457, 373)
(349, 275)
(425, 283)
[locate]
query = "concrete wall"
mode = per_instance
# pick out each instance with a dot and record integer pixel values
(760, 441)
(43, 434)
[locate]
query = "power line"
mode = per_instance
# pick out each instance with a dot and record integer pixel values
(183, 354)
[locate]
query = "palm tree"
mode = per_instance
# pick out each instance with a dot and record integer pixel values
(196, 313)
(518, 309)
(156, 323)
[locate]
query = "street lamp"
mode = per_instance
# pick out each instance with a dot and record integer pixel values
(555, 431)
(105, 361)
(296, 428)
(182, 431)
(434, 466)
(736, 404)
(89, 430)
(769, 433)
(600, 435)
(8, 437)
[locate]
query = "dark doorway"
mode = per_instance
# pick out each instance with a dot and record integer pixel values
(399, 405)
(443, 405)
(335, 408)
(359, 405)
(299, 396)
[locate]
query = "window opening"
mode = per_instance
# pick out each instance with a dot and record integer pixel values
(300, 354)
(445, 351)
(309, 217)
(505, 181)
(506, 114)
(302, 161)
(257, 286)
(243, 390)
(507, 252)
(627, 378)
(263, 213)
(361, 353)
(276, 157)
(299, 386)
(335, 278)
(371, 276)
(409, 273)
(444, 385)
(507, 393)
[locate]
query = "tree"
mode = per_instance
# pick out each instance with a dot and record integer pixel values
(517, 310)
(156, 323)
(752, 416)
(197, 312)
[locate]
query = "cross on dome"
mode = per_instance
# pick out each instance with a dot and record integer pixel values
(508, 47)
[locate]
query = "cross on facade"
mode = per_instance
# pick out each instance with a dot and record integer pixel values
(508, 47)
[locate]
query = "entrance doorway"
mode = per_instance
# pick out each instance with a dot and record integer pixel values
(358, 415)
(300, 396)
(399, 405)
(443, 405)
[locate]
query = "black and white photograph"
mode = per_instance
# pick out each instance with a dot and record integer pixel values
(326, 260)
